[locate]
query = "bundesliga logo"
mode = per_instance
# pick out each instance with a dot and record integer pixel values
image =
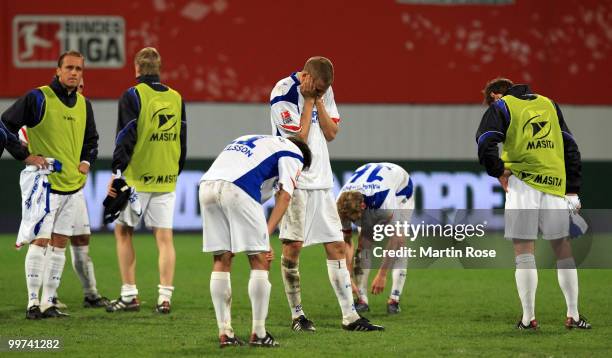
(286, 116)
(38, 40)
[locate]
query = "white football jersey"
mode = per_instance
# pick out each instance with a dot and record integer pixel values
(256, 163)
(287, 102)
(381, 184)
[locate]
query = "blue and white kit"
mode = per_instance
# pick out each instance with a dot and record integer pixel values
(311, 217)
(386, 187)
(239, 180)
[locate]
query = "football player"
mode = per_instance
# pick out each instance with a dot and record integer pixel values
(231, 195)
(303, 105)
(377, 193)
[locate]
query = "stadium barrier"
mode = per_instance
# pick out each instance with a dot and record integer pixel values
(438, 185)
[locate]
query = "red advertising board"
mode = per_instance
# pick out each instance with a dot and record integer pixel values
(403, 51)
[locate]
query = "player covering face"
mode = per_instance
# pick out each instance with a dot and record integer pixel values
(303, 105)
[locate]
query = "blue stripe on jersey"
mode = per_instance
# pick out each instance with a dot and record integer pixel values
(123, 131)
(134, 93)
(291, 96)
(251, 181)
(566, 136)
(40, 101)
(501, 105)
(295, 79)
(376, 200)
(2, 136)
(6, 135)
(488, 134)
(407, 191)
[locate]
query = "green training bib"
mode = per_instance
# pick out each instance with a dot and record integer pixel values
(60, 135)
(155, 161)
(533, 149)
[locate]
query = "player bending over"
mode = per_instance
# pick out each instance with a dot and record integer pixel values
(377, 193)
(540, 171)
(231, 193)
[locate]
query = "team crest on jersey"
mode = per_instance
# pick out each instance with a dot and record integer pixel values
(286, 116)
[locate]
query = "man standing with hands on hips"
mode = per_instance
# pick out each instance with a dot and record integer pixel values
(540, 171)
(60, 125)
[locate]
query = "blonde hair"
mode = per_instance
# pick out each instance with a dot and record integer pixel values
(349, 204)
(148, 61)
(320, 68)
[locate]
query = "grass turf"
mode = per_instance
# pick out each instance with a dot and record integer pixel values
(445, 311)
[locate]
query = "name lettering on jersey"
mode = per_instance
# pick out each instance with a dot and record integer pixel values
(244, 146)
(163, 137)
(240, 148)
(547, 180)
(69, 118)
(541, 144)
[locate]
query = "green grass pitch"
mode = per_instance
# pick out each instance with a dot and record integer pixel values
(445, 311)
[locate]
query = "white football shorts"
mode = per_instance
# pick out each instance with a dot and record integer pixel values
(312, 218)
(528, 209)
(157, 209)
(68, 216)
(232, 220)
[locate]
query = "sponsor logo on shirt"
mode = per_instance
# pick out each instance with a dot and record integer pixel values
(538, 128)
(165, 122)
(149, 178)
(315, 117)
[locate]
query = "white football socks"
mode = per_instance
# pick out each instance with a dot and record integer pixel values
(259, 293)
(526, 276)
(56, 258)
(362, 272)
(399, 278)
(128, 292)
(341, 282)
(221, 293)
(34, 269)
(398, 275)
(84, 268)
(568, 281)
(165, 294)
(291, 281)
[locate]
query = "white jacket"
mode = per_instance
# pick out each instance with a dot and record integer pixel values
(35, 206)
